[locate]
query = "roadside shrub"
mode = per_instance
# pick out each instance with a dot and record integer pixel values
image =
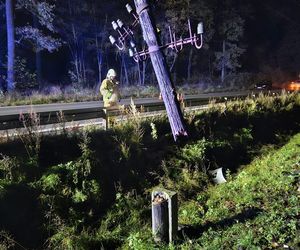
(186, 172)
(31, 137)
(130, 211)
(70, 193)
(6, 241)
(10, 169)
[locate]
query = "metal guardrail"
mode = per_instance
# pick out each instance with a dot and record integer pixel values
(50, 113)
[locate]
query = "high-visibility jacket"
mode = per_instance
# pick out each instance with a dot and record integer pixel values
(109, 91)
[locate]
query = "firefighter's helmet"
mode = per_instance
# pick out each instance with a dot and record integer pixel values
(111, 73)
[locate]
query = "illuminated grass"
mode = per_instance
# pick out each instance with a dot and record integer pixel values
(256, 209)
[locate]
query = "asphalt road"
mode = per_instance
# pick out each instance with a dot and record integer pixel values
(55, 107)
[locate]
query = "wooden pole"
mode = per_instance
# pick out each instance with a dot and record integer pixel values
(160, 68)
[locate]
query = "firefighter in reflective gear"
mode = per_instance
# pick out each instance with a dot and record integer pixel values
(109, 89)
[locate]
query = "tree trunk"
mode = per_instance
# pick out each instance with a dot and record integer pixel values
(189, 69)
(173, 63)
(100, 50)
(144, 72)
(139, 73)
(99, 61)
(10, 45)
(121, 68)
(38, 63)
(75, 49)
(125, 71)
(209, 65)
(167, 88)
(83, 67)
(223, 64)
(38, 58)
(75, 54)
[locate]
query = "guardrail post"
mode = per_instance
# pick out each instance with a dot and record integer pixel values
(109, 114)
(106, 118)
(164, 214)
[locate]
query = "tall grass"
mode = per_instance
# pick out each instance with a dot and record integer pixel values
(93, 187)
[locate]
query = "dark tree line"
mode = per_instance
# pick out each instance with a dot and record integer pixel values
(66, 42)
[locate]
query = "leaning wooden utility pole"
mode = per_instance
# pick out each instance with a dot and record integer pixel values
(166, 86)
(125, 33)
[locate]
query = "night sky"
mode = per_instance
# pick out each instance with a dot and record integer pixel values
(271, 39)
(274, 27)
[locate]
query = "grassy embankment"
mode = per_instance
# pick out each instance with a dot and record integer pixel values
(87, 190)
(258, 208)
